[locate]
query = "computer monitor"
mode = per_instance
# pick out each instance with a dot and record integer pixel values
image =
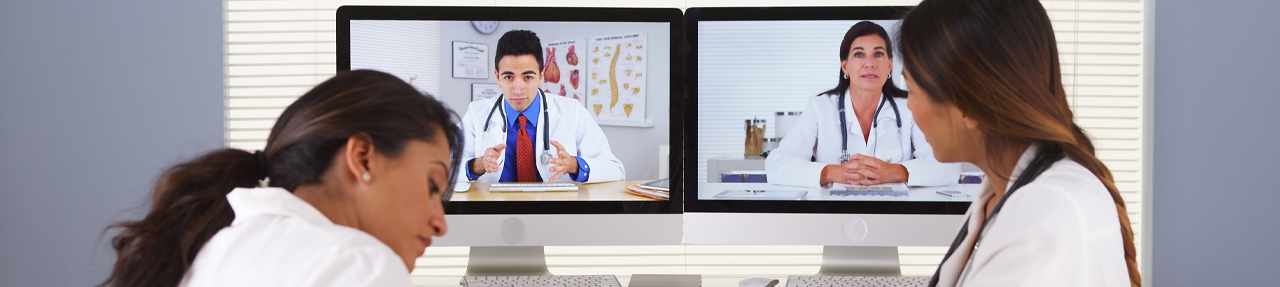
(751, 72)
(615, 68)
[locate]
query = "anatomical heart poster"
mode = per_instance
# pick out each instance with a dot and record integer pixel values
(616, 86)
(565, 69)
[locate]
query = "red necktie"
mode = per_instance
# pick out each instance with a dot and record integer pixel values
(526, 170)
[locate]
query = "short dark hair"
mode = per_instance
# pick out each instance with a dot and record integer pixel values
(519, 43)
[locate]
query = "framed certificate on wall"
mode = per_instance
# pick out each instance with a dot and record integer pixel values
(470, 60)
(484, 91)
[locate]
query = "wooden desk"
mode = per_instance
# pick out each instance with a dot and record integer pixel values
(604, 191)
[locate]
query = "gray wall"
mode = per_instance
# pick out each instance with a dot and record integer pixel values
(96, 97)
(636, 147)
(1216, 220)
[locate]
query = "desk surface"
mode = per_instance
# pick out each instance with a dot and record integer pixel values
(604, 191)
(707, 191)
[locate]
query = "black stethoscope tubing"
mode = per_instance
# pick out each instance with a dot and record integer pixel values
(1043, 160)
(844, 126)
(546, 122)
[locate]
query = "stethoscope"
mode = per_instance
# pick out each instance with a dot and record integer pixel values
(844, 126)
(546, 122)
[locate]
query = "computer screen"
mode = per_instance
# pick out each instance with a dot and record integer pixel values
(766, 87)
(604, 94)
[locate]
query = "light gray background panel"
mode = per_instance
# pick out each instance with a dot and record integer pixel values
(96, 98)
(1215, 164)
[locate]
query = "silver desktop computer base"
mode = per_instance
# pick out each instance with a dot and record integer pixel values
(860, 261)
(836, 261)
(510, 261)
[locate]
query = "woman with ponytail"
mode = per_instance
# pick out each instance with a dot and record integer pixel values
(349, 191)
(986, 88)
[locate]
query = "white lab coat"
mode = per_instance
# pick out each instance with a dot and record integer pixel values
(571, 125)
(277, 239)
(1061, 229)
(818, 129)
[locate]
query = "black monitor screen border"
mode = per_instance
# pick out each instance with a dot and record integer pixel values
(673, 16)
(692, 204)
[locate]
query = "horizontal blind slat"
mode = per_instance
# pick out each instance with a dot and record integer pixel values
(277, 50)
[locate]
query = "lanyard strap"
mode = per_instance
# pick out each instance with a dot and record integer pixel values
(1044, 159)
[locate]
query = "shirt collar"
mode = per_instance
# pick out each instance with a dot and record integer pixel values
(1024, 161)
(531, 113)
(249, 202)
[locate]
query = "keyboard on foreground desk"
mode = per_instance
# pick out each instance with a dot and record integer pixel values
(541, 281)
(532, 187)
(858, 281)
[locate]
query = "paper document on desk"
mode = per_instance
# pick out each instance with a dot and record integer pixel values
(650, 193)
(762, 194)
(887, 189)
(462, 186)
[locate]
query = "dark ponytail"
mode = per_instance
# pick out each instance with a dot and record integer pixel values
(1083, 153)
(188, 208)
(858, 30)
(997, 62)
(189, 204)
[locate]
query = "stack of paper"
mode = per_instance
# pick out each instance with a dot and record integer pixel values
(650, 193)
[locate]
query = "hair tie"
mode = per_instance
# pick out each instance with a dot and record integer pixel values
(262, 164)
(262, 160)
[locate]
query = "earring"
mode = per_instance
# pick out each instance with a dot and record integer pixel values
(365, 177)
(846, 76)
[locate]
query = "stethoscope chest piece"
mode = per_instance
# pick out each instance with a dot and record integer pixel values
(546, 157)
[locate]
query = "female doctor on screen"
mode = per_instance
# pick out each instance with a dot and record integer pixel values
(860, 132)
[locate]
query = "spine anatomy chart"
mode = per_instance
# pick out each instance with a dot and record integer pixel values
(616, 88)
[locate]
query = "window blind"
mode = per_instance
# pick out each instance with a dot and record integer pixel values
(1100, 46)
(1100, 49)
(277, 50)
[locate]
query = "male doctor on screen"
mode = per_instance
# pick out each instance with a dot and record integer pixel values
(525, 135)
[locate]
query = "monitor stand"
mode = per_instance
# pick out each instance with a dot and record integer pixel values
(512, 261)
(859, 261)
(836, 261)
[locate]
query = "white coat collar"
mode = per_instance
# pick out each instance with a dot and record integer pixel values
(553, 112)
(249, 202)
(855, 128)
(1023, 161)
(954, 266)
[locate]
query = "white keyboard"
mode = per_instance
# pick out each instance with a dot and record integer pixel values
(532, 187)
(855, 281)
(541, 281)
